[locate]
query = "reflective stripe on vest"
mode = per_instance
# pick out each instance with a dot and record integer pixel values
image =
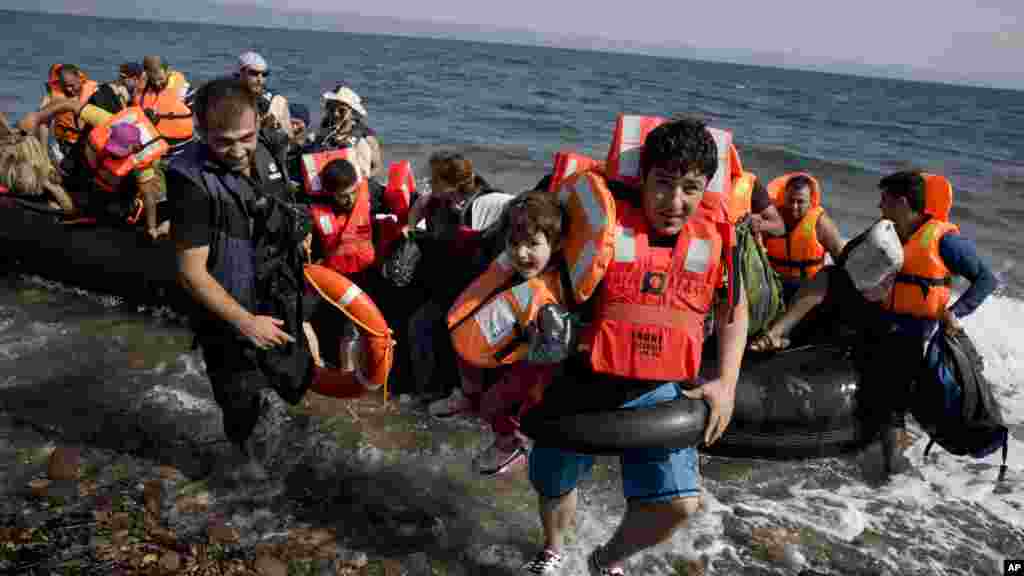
(922, 288)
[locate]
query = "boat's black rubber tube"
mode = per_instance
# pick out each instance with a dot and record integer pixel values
(795, 404)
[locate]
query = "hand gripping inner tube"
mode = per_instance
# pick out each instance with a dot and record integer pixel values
(799, 403)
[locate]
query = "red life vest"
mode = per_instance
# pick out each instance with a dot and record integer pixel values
(347, 239)
(652, 303)
(568, 163)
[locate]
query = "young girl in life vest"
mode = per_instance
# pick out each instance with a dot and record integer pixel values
(534, 223)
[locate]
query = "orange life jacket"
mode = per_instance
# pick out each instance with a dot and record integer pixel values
(399, 190)
(588, 241)
(568, 163)
(653, 302)
(398, 199)
(347, 239)
(797, 255)
(923, 286)
(66, 127)
(109, 169)
(489, 319)
(739, 203)
(312, 164)
(378, 346)
(174, 118)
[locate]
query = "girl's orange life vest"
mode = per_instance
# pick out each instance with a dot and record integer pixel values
(489, 319)
(797, 255)
(109, 169)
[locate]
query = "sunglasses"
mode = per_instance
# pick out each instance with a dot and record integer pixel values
(263, 73)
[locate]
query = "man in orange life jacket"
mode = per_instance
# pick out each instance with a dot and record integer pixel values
(69, 82)
(934, 252)
(643, 347)
(798, 256)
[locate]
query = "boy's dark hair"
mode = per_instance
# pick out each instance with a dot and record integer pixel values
(227, 95)
(908, 184)
(796, 183)
(534, 211)
(69, 69)
(681, 142)
(338, 174)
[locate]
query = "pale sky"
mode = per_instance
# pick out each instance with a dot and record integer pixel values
(958, 36)
(979, 39)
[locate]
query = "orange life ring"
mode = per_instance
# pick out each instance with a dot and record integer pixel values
(378, 345)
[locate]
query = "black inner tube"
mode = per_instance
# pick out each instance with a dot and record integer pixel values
(798, 403)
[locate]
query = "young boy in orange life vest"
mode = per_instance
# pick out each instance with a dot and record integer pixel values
(534, 224)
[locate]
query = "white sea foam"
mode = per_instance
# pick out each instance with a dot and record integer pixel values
(179, 399)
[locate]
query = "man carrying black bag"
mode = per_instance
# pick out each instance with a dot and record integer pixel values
(239, 248)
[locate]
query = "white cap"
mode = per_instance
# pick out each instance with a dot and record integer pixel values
(877, 256)
(252, 60)
(346, 96)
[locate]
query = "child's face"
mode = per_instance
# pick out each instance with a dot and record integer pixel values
(529, 253)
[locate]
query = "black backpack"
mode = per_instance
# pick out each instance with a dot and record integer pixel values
(955, 404)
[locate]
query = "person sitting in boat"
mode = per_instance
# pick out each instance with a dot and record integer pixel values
(162, 96)
(456, 210)
(26, 169)
(117, 95)
(64, 81)
(126, 198)
(533, 250)
(344, 125)
(844, 294)
(643, 347)
(799, 252)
